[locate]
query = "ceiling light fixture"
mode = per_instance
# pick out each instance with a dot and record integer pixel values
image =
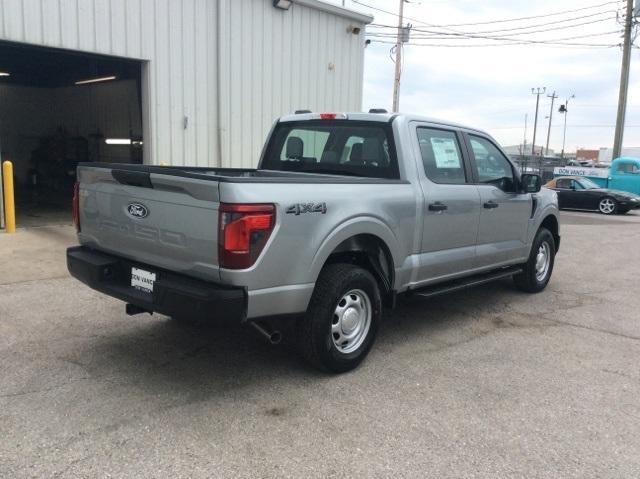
(118, 141)
(95, 80)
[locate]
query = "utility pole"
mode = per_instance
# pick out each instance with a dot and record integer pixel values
(553, 99)
(523, 150)
(565, 109)
(396, 84)
(537, 92)
(624, 81)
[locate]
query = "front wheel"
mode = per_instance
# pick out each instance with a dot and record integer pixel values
(607, 206)
(537, 270)
(342, 319)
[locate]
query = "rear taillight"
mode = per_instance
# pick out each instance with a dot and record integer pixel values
(75, 209)
(244, 230)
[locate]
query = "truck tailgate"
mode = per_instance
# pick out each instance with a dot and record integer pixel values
(164, 220)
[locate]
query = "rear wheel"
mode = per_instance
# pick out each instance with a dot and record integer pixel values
(607, 206)
(537, 270)
(342, 319)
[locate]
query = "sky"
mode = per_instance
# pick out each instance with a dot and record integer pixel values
(490, 87)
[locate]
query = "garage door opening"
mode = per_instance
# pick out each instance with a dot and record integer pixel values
(60, 108)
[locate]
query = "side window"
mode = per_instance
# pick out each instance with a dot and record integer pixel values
(627, 168)
(493, 168)
(441, 156)
(576, 185)
(562, 184)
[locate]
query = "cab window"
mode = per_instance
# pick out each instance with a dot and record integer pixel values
(624, 168)
(492, 166)
(441, 156)
(340, 147)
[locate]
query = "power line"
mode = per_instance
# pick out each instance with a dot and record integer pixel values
(474, 45)
(525, 27)
(487, 22)
(561, 27)
(521, 41)
(560, 126)
(530, 17)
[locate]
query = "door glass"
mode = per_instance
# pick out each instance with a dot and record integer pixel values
(441, 156)
(493, 168)
(627, 168)
(562, 184)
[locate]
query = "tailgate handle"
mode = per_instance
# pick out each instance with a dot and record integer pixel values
(132, 178)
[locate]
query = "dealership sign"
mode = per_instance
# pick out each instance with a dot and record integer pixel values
(580, 171)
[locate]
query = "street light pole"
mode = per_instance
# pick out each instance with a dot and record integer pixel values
(565, 109)
(537, 92)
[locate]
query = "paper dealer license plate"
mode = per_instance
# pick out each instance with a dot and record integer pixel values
(142, 280)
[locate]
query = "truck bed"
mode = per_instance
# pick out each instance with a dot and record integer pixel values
(238, 175)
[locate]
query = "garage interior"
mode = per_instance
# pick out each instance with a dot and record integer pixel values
(57, 109)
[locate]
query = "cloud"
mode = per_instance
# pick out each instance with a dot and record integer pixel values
(490, 87)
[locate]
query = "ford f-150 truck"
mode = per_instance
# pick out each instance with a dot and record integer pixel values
(344, 213)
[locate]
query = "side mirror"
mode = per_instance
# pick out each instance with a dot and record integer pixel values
(530, 183)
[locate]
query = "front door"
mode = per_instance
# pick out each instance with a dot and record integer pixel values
(451, 208)
(505, 212)
(626, 176)
(566, 189)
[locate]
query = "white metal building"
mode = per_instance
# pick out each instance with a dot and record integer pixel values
(198, 81)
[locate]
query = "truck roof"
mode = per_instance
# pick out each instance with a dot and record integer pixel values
(380, 117)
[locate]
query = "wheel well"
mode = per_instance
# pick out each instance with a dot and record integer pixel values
(551, 223)
(371, 253)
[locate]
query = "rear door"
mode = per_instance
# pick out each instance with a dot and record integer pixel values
(451, 203)
(505, 212)
(163, 220)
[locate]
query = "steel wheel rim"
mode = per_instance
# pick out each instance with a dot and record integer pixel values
(607, 205)
(351, 321)
(543, 261)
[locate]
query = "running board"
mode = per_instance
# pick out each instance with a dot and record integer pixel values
(464, 283)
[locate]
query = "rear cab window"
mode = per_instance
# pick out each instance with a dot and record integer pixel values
(340, 147)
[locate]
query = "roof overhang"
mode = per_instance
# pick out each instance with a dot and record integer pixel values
(335, 10)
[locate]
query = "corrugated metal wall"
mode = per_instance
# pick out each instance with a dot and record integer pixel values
(270, 62)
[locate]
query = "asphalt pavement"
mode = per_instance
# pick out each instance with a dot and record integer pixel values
(488, 382)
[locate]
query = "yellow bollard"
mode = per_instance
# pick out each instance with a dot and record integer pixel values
(9, 203)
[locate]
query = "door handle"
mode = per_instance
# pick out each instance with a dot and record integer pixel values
(437, 206)
(490, 205)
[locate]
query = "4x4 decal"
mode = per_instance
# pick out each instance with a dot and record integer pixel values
(302, 208)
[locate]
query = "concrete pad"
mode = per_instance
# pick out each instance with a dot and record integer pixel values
(35, 253)
(483, 383)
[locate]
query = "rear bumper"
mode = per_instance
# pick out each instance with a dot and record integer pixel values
(173, 294)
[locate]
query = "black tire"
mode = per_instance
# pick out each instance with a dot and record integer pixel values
(605, 211)
(529, 280)
(314, 337)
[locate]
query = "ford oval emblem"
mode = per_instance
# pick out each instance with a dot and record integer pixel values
(136, 210)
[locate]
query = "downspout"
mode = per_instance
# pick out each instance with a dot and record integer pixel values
(222, 70)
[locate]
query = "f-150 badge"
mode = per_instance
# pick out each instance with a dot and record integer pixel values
(302, 208)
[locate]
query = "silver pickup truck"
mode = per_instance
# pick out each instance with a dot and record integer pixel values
(344, 213)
